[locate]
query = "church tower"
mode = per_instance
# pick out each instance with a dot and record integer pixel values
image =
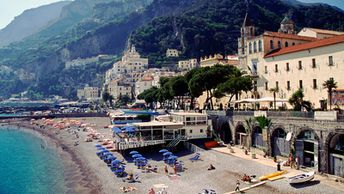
(248, 30)
(287, 26)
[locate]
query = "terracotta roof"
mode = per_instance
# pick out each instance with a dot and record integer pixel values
(308, 45)
(322, 31)
(289, 36)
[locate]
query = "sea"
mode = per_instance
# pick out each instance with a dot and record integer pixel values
(28, 165)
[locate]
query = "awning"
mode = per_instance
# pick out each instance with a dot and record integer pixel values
(271, 99)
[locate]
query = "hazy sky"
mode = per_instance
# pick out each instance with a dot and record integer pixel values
(11, 8)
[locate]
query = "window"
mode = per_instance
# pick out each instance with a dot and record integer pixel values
(277, 84)
(276, 68)
(300, 65)
(255, 85)
(300, 84)
(330, 60)
(190, 131)
(260, 48)
(271, 44)
(288, 85)
(287, 67)
(201, 130)
(286, 44)
(250, 48)
(315, 84)
(266, 69)
(314, 65)
(255, 47)
(279, 44)
(293, 43)
(266, 86)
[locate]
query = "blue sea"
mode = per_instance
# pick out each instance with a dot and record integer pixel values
(27, 165)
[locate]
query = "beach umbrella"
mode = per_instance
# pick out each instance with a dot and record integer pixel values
(163, 151)
(141, 158)
(116, 130)
(115, 162)
(167, 153)
(98, 145)
(172, 157)
(133, 152)
(101, 148)
(136, 155)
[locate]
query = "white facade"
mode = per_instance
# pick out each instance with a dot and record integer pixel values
(88, 93)
(319, 33)
(187, 65)
(117, 88)
(172, 53)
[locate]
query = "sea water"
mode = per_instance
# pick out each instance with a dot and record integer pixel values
(27, 165)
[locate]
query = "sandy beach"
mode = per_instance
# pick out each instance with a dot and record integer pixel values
(86, 173)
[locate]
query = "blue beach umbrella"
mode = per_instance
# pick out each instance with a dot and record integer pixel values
(101, 148)
(172, 157)
(141, 158)
(163, 151)
(167, 153)
(133, 152)
(98, 145)
(116, 162)
(136, 155)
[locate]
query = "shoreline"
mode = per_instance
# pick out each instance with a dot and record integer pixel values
(78, 176)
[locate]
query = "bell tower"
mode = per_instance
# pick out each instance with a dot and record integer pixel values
(287, 26)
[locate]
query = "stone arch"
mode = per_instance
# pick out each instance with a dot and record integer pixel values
(306, 144)
(333, 154)
(239, 131)
(226, 132)
(257, 137)
(279, 145)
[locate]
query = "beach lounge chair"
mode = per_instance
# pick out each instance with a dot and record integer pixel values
(195, 158)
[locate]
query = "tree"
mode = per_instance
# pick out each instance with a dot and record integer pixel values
(123, 100)
(330, 84)
(107, 97)
(296, 100)
(274, 91)
(150, 96)
(178, 88)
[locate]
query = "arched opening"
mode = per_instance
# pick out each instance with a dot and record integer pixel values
(226, 134)
(286, 44)
(271, 44)
(306, 148)
(257, 138)
(255, 47)
(260, 48)
(240, 135)
(279, 144)
(279, 44)
(336, 155)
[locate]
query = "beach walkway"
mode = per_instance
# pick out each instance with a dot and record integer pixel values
(238, 152)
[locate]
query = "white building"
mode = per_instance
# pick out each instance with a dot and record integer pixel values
(118, 88)
(144, 84)
(172, 53)
(88, 93)
(187, 65)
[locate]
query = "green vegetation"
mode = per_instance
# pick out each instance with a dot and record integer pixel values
(296, 100)
(173, 91)
(330, 84)
(263, 122)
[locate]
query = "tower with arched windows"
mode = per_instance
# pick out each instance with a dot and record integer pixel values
(287, 26)
(248, 30)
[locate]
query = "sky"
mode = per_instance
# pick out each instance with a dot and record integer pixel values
(11, 8)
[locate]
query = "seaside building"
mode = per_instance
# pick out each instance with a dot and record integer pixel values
(218, 59)
(172, 53)
(288, 61)
(88, 93)
(187, 65)
(181, 126)
(144, 84)
(118, 88)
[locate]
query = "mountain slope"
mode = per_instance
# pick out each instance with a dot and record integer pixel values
(30, 22)
(214, 26)
(196, 27)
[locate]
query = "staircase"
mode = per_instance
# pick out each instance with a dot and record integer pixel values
(174, 142)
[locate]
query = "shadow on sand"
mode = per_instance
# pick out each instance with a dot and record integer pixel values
(306, 184)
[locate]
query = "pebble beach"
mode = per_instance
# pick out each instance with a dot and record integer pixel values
(87, 173)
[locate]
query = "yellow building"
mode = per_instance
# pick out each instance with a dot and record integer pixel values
(88, 93)
(172, 53)
(306, 66)
(187, 65)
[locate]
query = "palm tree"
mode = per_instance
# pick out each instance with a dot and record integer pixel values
(274, 91)
(330, 84)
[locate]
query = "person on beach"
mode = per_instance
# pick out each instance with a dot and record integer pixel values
(166, 169)
(151, 191)
(211, 167)
(237, 186)
(175, 169)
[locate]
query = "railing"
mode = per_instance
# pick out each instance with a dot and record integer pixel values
(286, 114)
(129, 145)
